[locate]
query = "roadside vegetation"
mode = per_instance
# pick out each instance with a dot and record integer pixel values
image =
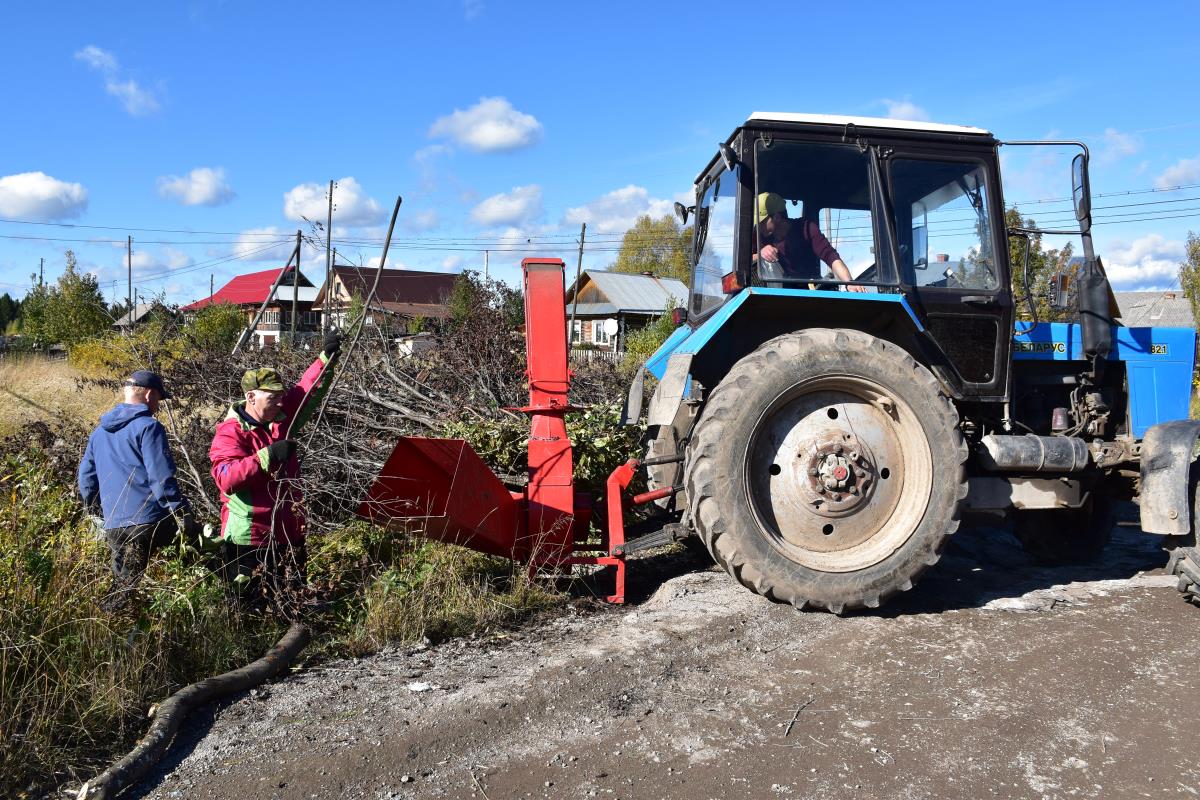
(77, 682)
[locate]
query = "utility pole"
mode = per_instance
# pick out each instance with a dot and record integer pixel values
(575, 295)
(328, 259)
(210, 288)
(129, 266)
(295, 287)
(41, 271)
(485, 265)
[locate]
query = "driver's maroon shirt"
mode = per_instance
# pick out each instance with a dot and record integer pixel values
(802, 247)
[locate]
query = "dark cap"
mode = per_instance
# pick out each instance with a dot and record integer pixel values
(148, 380)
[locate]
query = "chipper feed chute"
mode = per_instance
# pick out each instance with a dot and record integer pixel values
(441, 489)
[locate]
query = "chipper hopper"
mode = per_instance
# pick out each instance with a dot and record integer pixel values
(443, 490)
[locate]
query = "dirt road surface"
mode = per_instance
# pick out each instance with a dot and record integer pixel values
(993, 678)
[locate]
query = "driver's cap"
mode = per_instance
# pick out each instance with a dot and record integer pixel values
(769, 204)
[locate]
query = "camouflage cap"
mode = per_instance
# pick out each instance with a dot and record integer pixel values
(263, 378)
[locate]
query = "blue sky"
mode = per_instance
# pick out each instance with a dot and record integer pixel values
(506, 125)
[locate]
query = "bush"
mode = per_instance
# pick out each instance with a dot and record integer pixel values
(641, 344)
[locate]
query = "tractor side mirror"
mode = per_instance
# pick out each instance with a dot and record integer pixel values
(682, 212)
(1081, 192)
(728, 156)
(920, 247)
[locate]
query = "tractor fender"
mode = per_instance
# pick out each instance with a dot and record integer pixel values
(750, 318)
(1166, 462)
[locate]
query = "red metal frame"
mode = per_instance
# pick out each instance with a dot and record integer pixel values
(442, 485)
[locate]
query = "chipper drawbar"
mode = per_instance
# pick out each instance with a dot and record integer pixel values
(443, 490)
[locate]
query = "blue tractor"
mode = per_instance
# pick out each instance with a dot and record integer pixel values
(853, 379)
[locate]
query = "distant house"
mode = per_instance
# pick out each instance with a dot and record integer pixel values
(402, 295)
(248, 292)
(140, 315)
(608, 305)
(1155, 310)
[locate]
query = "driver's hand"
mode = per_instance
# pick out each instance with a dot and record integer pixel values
(769, 253)
(859, 289)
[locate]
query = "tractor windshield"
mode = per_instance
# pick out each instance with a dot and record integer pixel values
(812, 214)
(715, 242)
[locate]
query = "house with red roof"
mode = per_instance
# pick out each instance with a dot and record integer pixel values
(248, 292)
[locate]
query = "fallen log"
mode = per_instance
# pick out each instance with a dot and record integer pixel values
(171, 713)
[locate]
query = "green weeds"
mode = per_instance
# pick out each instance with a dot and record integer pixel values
(76, 682)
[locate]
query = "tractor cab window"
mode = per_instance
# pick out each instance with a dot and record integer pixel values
(812, 216)
(714, 243)
(942, 224)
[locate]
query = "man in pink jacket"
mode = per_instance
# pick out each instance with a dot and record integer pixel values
(254, 464)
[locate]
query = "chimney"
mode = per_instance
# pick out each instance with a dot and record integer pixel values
(942, 258)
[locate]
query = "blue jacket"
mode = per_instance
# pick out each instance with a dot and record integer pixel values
(127, 466)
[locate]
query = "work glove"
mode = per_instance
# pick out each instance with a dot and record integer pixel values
(279, 452)
(332, 344)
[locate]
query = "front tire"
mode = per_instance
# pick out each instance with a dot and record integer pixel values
(827, 470)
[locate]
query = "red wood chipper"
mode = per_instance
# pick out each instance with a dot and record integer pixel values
(443, 490)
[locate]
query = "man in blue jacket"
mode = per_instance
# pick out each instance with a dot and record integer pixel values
(128, 475)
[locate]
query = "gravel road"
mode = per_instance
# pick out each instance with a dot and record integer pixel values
(993, 677)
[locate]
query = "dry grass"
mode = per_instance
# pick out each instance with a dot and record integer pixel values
(38, 388)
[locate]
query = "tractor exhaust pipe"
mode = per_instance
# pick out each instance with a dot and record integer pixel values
(1059, 454)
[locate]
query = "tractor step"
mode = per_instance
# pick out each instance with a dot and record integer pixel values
(668, 534)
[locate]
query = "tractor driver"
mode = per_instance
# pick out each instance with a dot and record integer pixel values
(796, 245)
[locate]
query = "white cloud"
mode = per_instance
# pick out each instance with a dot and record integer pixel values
(491, 125)
(617, 211)
(1117, 145)
(453, 263)
(351, 205)
(203, 186)
(37, 196)
(905, 109)
(520, 205)
(419, 221)
(1149, 262)
(137, 99)
(392, 263)
(97, 59)
(265, 244)
(1184, 171)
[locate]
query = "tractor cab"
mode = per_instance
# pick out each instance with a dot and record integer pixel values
(908, 210)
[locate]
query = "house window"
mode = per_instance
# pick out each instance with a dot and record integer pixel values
(577, 331)
(599, 334)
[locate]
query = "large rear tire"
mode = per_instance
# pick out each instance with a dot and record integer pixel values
(1184, 562)
(827, 470)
